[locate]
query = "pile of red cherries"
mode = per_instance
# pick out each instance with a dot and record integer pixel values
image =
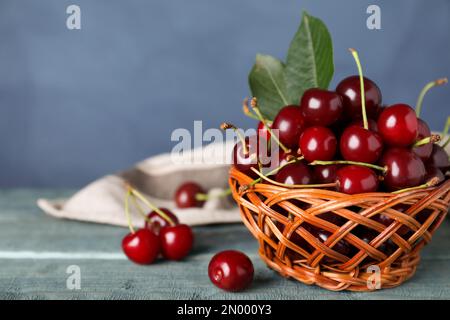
(346, 140)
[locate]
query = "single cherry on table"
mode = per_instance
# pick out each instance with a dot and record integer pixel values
(231, 270)
(142, 246)
(176, 241)
(187, 195)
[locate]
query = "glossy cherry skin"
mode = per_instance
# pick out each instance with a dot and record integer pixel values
(155, 222)
(439, 158)
(372, 124)
(231, 270)
(318, 143)
(176, 241)
(263, 132)
(294, 173)
(141, 247)
(350, 90)
(359, 144)
(342, 247)
(185, 196)
(433, 172)
(256, 148)
(423, 131)
(326, 173)
(290, 123)
(354, 179)
(321, 107)
(398, 125)
(404, 168)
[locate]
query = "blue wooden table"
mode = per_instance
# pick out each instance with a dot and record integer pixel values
(38, 254)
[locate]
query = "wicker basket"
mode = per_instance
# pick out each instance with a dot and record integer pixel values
(275, 215)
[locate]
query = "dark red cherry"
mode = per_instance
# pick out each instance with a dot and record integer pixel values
(263, 132)
(332, 217)
(341, 247)
(439, 158)
(244, 161)
(387, 221)
(367, 235)
(317, 143)
(176, 241)
(398, 125)
(294, 173)
(186, 195)
(354, 179)
(290, 123)
(141, 247)
(359, 144)
(325, 174)
(404, 169)
(321, 107)
(350, 90)
(155, 222)
(423, 131)
(433, 172)
(372, 124)
(231, 270)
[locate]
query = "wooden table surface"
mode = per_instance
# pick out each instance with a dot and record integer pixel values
(36, 251)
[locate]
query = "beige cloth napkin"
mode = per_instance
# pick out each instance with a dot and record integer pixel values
(102, 201)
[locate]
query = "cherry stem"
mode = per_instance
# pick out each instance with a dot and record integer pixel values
(255, 107)
(445, 131)
(323, 185)
(424, 91)
(150, 205)
(226, 126)
(205, 196)
(364, 164)
(431, 139)
(446, 143)
(430, 183)
(247, 111)
(139, 208)
(247, 186)
(361, 84)
(127, 212)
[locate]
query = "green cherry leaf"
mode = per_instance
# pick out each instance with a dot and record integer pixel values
(267, 83)
(309, 62)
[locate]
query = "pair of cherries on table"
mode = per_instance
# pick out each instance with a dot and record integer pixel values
(162, 234)
(343, 138)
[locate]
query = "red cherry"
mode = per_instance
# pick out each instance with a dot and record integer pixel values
(325, 173)
(289, 122)
(141, 247)
(354, 179)
(359, 144)
(439, 158)
(372, 124)
(433, 172)
(367, 235)
(185, 196)
(350, 90)
(342, 247)
(244, 161)
(385, 220)
(398, 125)
(294, 173)
(318, 143)
(263, 132)
(404, 168)
(423, 131)
(321, 107)
(176, 241)
(231, 270)
(155, 222)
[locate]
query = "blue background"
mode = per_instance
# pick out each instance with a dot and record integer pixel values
(75, 105)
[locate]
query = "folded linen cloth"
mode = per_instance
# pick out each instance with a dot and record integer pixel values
(102, 201)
